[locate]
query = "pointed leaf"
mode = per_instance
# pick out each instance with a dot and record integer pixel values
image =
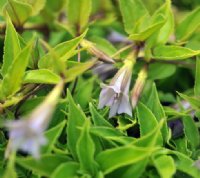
(13, 79)
(165, 166)
(11, 39)
(132, 11)
(41, 76)
(76, 120)
(66, 170)
(45, 165)
(112, 159)
(173, 52)
(189, 24)
(18, 11)
(85, 150)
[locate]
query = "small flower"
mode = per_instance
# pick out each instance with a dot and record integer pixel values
(28, 134)
(115, 95)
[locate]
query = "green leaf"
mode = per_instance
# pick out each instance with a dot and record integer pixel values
(37, 5)
(143, 35)
(189, 24)
(74, 72)
(191, 131)
(112, 159)
(104, 45)
(147, 121)
(66, 170)
(136, 169)
(165, 166)
(52, 136)
(197, 78)
(2, 3)
(63, 51)
(18, 11)
(98, 119)
(132, 11)
(10, 170)
(167, 29)
(155, 106)
(159, 70)
(13, 79)
(10, 53)
(85, 150)
(84, 90)
(170, 52)
(76, 119)
(45, 165)
(41, 76)
(151, 139)
(78, 13)
(185, 164)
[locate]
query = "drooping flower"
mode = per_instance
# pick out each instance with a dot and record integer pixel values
(27, 134)
(115, 95)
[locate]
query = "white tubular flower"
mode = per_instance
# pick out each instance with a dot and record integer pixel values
(115, 95)
(28, 134)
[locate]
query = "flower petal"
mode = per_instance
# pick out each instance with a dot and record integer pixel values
(125, 106)
(106, 97)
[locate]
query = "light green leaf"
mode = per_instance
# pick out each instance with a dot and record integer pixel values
(66, 170)
(197, 78)
(63, 51)
(78, 13)
(143, 35)
(18, 11)
(191, 131)
(37, 5)
(45, 165)
(112, 159)
(104, 45)
(10, 53)
(76, 119)
(147, 121)
(2, 3)
(132, 12)
(52, 136)
(13, 79)
(85, 150)
(163, 52)
(189, 24)
(165, 166)
(74, 72)
(164, 33)
(41, 76)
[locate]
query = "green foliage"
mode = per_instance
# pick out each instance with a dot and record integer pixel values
(77, 45)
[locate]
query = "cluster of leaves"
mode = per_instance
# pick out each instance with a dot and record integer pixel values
(160, 140)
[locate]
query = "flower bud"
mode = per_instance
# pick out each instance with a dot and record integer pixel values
(138, 87)
(92, 49)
